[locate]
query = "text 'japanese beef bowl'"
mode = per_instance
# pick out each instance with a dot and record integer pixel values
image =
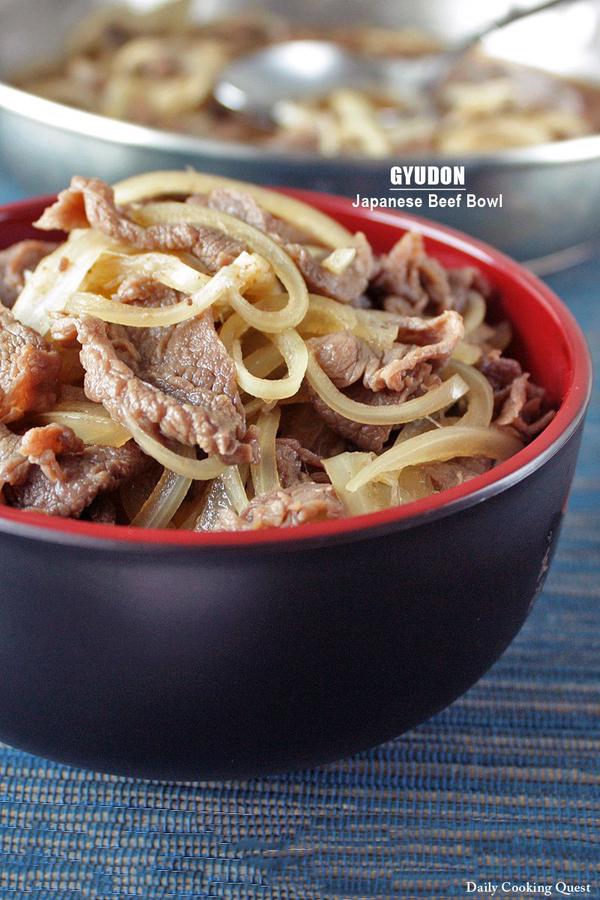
(279, 477)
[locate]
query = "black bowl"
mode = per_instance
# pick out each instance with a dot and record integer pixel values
(179, 655)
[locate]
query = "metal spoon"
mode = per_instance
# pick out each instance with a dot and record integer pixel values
(293, 70)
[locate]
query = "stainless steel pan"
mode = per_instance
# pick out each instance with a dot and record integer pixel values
(551, 192)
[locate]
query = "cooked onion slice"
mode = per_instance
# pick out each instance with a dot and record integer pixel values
(358, 123)
(58, 276)
(370, 498)
(480, 399)
(196, 469)
(467, 353)
(339, 260)
(90, 422)
(234, 487)
(324, 315)
(436, 445)
(474, 313)
(171, 18)
(111, 268)
(156, 184)
(203, 512)
(222, 285)
(264, 361)
(295, 355)
(252, 407)
(438, 398)
(377, 327)
(166, 97)
(412, 429)
(265, 476)
(284, 267)
(163, 502)
(287, 347)
(411, 484)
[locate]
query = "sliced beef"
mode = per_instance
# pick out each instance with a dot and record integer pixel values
(243, 206)
(85, 475)
(15, 262)
(289, 464)
(42, 446)
(410, 281)
(178, 381)
(68, 212)
(407, 280)
(343, 356)
(50, 470)
(294, 461)
(407, 370)
(143, 291)
(365, 437)
(491, 337)
(464, 282)
(299, 422)
(444, 475)
(423, 346)
(90, 202)
(103, 510)
(518, 402)
(525, 407)
(346, 287)
(28, 370)
(344, 359)
(500, 371)
(516, 398)
(13, 465)
(304, 502)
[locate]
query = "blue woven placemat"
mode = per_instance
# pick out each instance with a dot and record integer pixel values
(504, 786)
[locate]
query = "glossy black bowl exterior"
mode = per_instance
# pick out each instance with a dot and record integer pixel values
(216, 662)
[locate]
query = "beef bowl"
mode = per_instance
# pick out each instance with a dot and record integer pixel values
(182, 655)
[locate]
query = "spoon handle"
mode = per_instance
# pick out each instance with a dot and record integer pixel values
(514, 14)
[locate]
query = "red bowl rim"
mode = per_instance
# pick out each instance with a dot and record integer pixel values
(501, 477)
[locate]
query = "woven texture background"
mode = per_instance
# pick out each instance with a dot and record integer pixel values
(503, 785)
